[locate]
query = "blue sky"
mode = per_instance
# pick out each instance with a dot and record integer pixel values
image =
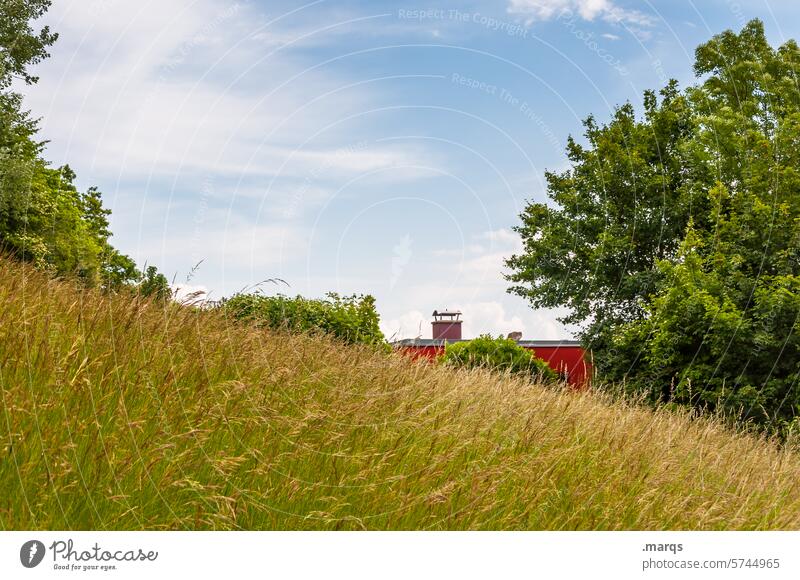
(357, 147)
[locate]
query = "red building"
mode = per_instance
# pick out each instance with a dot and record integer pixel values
(566, 357)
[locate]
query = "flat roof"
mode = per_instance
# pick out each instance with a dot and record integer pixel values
(420, 342)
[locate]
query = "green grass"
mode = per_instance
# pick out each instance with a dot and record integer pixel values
(120, 414)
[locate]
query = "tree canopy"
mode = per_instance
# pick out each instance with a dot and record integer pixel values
(44, 219)
(20, 45)
(674, 238)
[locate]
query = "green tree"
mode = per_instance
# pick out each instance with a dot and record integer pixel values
(155, 284)
(619, 208)
(500, 354)
(675, 239)
(46, 220)
(20, 45)
(43, 217)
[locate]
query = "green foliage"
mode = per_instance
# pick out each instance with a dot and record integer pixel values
(20, 45)
(501, 354)
(352, 319)
(676, 238)
(44, 223)
(155, 284)
(593, 249)
(715, 344)
(44, 219)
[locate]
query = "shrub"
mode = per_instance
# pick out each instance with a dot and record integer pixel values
(352, 319)
(499, 353)
(714, 346)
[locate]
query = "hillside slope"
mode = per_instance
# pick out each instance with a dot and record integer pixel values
(117, 414)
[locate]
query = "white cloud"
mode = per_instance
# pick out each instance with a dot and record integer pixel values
(503, 237)
(132, 92)
(585, 9)
(174, 107)
(181, 93)
(369, 157)
(489, 317)
(484, 258)
(411, 324)
(233, 250)
(475, 275)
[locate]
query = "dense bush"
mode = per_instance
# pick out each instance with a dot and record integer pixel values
(349, 318)
(502, 354)
(716, 346)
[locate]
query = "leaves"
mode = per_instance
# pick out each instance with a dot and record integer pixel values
(20, 45)
(44, 219)
(675, 238)
(352, 319)
(501, 354)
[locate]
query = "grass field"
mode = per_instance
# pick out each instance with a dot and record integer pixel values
(118, 414)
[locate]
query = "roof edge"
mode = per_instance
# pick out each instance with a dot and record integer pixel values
(422, 342)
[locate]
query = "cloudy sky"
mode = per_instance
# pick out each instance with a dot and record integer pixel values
(357, 147)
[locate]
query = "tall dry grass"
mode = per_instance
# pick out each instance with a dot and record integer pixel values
(120, 414)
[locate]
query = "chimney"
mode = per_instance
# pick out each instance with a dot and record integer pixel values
(446, 325)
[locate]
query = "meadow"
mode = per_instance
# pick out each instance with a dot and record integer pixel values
(123, 413)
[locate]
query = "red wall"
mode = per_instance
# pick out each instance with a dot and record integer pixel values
(446, 329)
(563, 359)
(567, 359)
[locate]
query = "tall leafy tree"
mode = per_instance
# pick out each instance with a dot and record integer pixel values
(675, 239)
(20, 48)
(20, 45)
(43, 217)
(621, 206)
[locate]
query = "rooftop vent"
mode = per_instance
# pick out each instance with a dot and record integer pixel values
(446, 325)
